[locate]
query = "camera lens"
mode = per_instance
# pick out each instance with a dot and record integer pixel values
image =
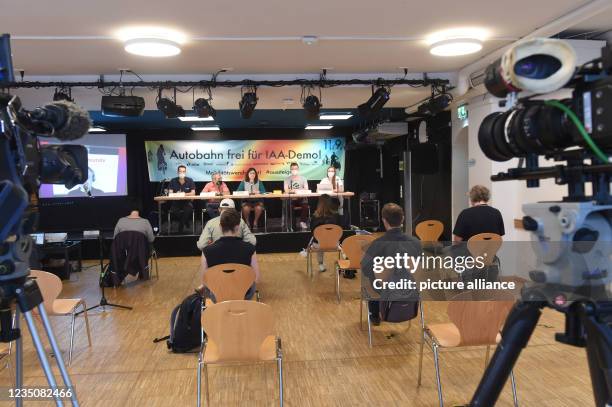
(537, 66)
(534, 128)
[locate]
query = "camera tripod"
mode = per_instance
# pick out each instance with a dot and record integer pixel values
(587, 324)
(27, 295)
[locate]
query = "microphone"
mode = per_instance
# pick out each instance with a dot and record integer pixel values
(61, 119)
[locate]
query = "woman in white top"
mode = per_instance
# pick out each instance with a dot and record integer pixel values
(336, 185)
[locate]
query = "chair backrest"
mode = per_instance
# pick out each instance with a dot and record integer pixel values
(229, 281)
(479, 321)
(328, 236)
(486, 245)
(354, 248)
(50, 287)
(429, 230)
(238, 329)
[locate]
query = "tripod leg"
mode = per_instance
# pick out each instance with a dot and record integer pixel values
(599, 353)
(18, 357)
(518, 328)
(58, 354)
(42, 357)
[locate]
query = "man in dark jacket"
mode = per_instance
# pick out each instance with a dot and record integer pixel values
(392, 243)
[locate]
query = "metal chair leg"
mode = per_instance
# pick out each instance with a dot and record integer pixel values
(421, 359)
(205, 368)
(361, 314)
(338, 283)
(513, 382)
(437, 366)
(265, 221)
(369, 324)
(73, 315)
(84, 305)
(199, 379)
(280, 380)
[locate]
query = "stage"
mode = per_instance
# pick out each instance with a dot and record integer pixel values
(185, 245)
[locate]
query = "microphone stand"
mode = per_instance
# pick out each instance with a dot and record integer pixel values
(103, 301)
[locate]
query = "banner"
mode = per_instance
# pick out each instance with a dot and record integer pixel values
(232, 158)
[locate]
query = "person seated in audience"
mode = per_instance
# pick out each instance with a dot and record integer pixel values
(479, 218)
(182, 209)
(219, 188)
(393, 243)
(212, 231)
(336, 185)
(252, 184)
(325, 214)
(133, 222)
(294, 182)
(230, 248)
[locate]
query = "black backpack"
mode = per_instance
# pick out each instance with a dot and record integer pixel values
(398, 311)
(185, 326)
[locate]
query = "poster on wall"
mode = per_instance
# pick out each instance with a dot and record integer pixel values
(232, 158)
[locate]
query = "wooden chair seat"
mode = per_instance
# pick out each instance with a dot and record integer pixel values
(267, 352)
(448, 336)
(344, 264)
(65, 306)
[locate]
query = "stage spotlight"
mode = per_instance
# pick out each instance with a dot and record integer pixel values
(63, 94)
(169, 108)
(203, 109)
(435, 105)
(312, 106)
(247, 104)
(375, 103)
(361, 136)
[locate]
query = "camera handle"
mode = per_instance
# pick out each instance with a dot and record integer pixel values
(581, 318)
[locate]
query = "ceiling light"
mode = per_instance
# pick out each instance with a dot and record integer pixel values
(375, 103)
(247, 104)
(195, 119)
(151, 41)
(97, 129)
(312, 106)
(203, 109)
(455, 47)
(456, 41)
(205, 128)
(152, 47)
(319, 126)
(169, 108)
(335, 116)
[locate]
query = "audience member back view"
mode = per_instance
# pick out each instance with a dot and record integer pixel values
(230, 248)
(325, 214)
(393, 243)
(479, 218)
(133, 222)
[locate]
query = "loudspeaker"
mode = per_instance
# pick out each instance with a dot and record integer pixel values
(122, 106)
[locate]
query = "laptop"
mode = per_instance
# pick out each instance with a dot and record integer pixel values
(324, 187)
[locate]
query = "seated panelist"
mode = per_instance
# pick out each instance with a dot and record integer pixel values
(252, 184)
(219, 188)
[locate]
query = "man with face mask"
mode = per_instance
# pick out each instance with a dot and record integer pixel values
(182, 209)
(220, 188)
(294, 182)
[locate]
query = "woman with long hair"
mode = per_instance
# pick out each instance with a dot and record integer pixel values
(325, 214)
(253, 185)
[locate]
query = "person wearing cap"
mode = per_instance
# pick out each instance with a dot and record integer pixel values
(219, 188)
(212, 231)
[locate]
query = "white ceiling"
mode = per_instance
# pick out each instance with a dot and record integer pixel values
(399, 25)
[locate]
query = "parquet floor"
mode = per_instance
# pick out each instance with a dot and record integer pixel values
(327, 358)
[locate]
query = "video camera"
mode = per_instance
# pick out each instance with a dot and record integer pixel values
(25, 164)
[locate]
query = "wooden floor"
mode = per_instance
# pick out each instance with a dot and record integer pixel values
(327, 358)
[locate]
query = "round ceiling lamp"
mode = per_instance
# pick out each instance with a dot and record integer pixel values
(152, 47)
(455, 47)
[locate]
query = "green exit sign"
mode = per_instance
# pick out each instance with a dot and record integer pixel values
(462, 112)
